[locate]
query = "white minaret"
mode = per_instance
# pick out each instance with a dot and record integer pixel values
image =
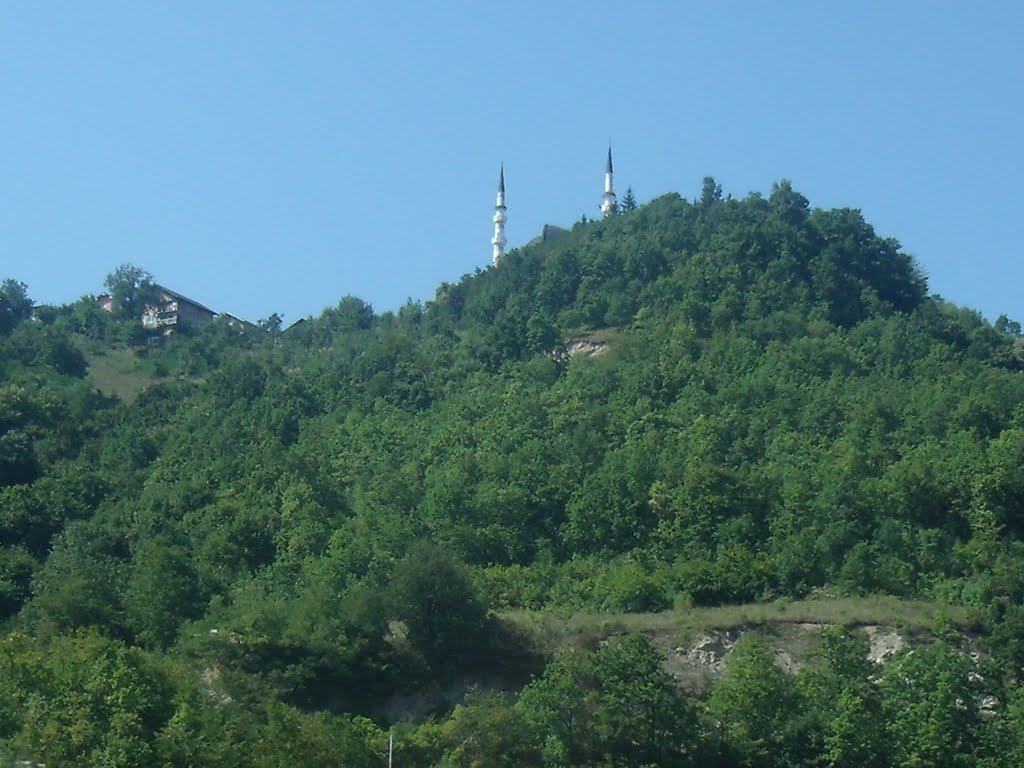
(498, 241)
(608, 204)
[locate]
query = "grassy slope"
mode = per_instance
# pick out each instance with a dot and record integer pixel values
(115, 371)
(911, 617)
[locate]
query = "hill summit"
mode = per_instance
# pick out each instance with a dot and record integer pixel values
(311, 521)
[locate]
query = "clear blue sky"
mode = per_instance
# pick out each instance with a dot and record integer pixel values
(273, 157)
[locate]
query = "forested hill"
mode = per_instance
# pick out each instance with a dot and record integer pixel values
(264, 535)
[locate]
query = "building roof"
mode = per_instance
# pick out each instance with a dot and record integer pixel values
(236, 320)
(548, 232)
(181, 297)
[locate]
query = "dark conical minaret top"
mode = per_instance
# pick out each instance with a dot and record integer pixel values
(501, 180)
(608, 165)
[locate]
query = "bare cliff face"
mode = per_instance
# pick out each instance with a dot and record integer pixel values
(587, 347)
(701, 660)
(705, 656)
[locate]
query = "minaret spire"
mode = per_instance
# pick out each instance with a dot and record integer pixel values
(498, 241)
(608, 202)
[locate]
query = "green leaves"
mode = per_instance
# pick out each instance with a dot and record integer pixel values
(930, 705)
(443, 619)
(161, 593)
(15, 305)
(85, 700)
(613, 706)
(754, 704)
(838, 691)
(131, 290)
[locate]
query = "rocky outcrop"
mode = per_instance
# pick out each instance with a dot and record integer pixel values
(588, 347)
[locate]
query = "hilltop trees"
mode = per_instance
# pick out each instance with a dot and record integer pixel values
(763, 402)
(628, 201)
(131, 289)
(710, 193)
(15, 305)
(748, 343)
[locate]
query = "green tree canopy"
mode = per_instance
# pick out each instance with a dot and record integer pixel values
(131, 290)
(15, 305)
(432, 595)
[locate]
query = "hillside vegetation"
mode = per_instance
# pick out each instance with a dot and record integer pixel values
(248, 548)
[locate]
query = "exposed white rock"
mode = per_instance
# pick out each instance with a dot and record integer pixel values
(586, 347)
(884, 644)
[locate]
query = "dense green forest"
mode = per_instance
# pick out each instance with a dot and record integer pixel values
(264, 547)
